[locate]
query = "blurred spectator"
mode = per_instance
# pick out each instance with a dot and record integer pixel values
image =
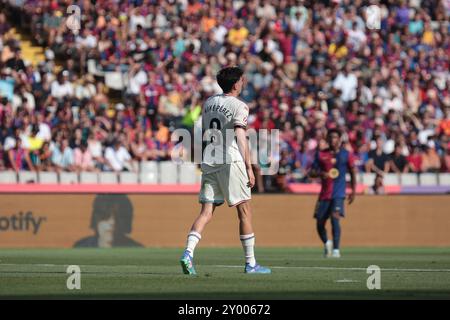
(430, 159)
(398, 162)
(19, 158)
(310, 65)
(61, 87)
(415, 160)
(378, 186)
(378, 161)
(62, 156)
(45, 158)
(117, 158)
(83, 159)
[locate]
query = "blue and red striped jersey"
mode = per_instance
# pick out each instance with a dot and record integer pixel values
(335, 163)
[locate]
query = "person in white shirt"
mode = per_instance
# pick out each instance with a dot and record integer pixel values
(87, 40)
(118, 158)
(226, 167)
(61, 87)
(356, 37)
(136, 19)
(266, 10)
(45, 132)
(347, 83)
(219, 33)
(137, 78)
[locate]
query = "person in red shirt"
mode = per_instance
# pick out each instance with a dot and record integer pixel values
(151, 93)
(415, 160)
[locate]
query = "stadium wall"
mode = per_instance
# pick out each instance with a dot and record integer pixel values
(156, 220)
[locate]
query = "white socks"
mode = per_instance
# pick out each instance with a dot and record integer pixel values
(248, 243)
(247, 240)
(192, 240)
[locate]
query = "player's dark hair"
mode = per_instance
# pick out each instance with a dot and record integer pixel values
(331, 131)
(227, 77)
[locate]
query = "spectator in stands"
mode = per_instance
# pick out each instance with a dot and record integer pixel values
(61, 87)
(62, 156)
(95, 149)
(117, 158)
(378, 186)
(446, 158)
(19, 157)
(45, 158)
(311, 65)
(398, 162)
(83, 158)
(378, 161)
(2, 157)
(34, 145)
(415, 159)
(139, 147)
(16, 62)
(430, 159)
(347, 82)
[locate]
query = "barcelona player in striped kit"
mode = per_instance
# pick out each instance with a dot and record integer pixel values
(331, 165)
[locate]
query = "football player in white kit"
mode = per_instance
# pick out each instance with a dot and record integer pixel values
(226, 167)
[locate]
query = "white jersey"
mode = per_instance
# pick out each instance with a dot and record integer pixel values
(221, 114)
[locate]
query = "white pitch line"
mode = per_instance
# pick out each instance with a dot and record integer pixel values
(345, 269)
(232, 266)
(32, 264)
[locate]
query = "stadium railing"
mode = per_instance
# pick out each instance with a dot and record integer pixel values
(167, 173)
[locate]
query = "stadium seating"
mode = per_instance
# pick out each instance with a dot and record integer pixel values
(68, 178)
(444, 179)
(428, 179)
(27, 177)
(9, 177)
(168, 172)
(148, 166)
(128, 178)
(88, 177)
(277, 77)
(148, 177)
(108, 178)
(148, 172)
(391, 179)
(409, 179)
(188, 173)
(46, 177)
(368, 179)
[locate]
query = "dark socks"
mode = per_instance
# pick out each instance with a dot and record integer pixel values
(321, 230)
(336, 230)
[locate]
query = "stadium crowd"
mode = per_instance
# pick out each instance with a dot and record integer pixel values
(310, 66)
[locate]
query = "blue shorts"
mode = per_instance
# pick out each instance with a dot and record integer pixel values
(325, 208)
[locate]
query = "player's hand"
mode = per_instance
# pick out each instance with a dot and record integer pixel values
(351, 197)
(251, 177)
(324, 175)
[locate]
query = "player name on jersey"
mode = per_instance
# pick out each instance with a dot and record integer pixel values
(221, 109)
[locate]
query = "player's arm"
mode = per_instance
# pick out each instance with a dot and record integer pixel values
(315, 172)
(241, 138)
(240, 126)
(352, 171)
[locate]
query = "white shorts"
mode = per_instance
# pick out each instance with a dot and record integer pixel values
(229, 183)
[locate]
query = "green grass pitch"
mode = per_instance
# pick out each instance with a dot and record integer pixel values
(152, 273)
